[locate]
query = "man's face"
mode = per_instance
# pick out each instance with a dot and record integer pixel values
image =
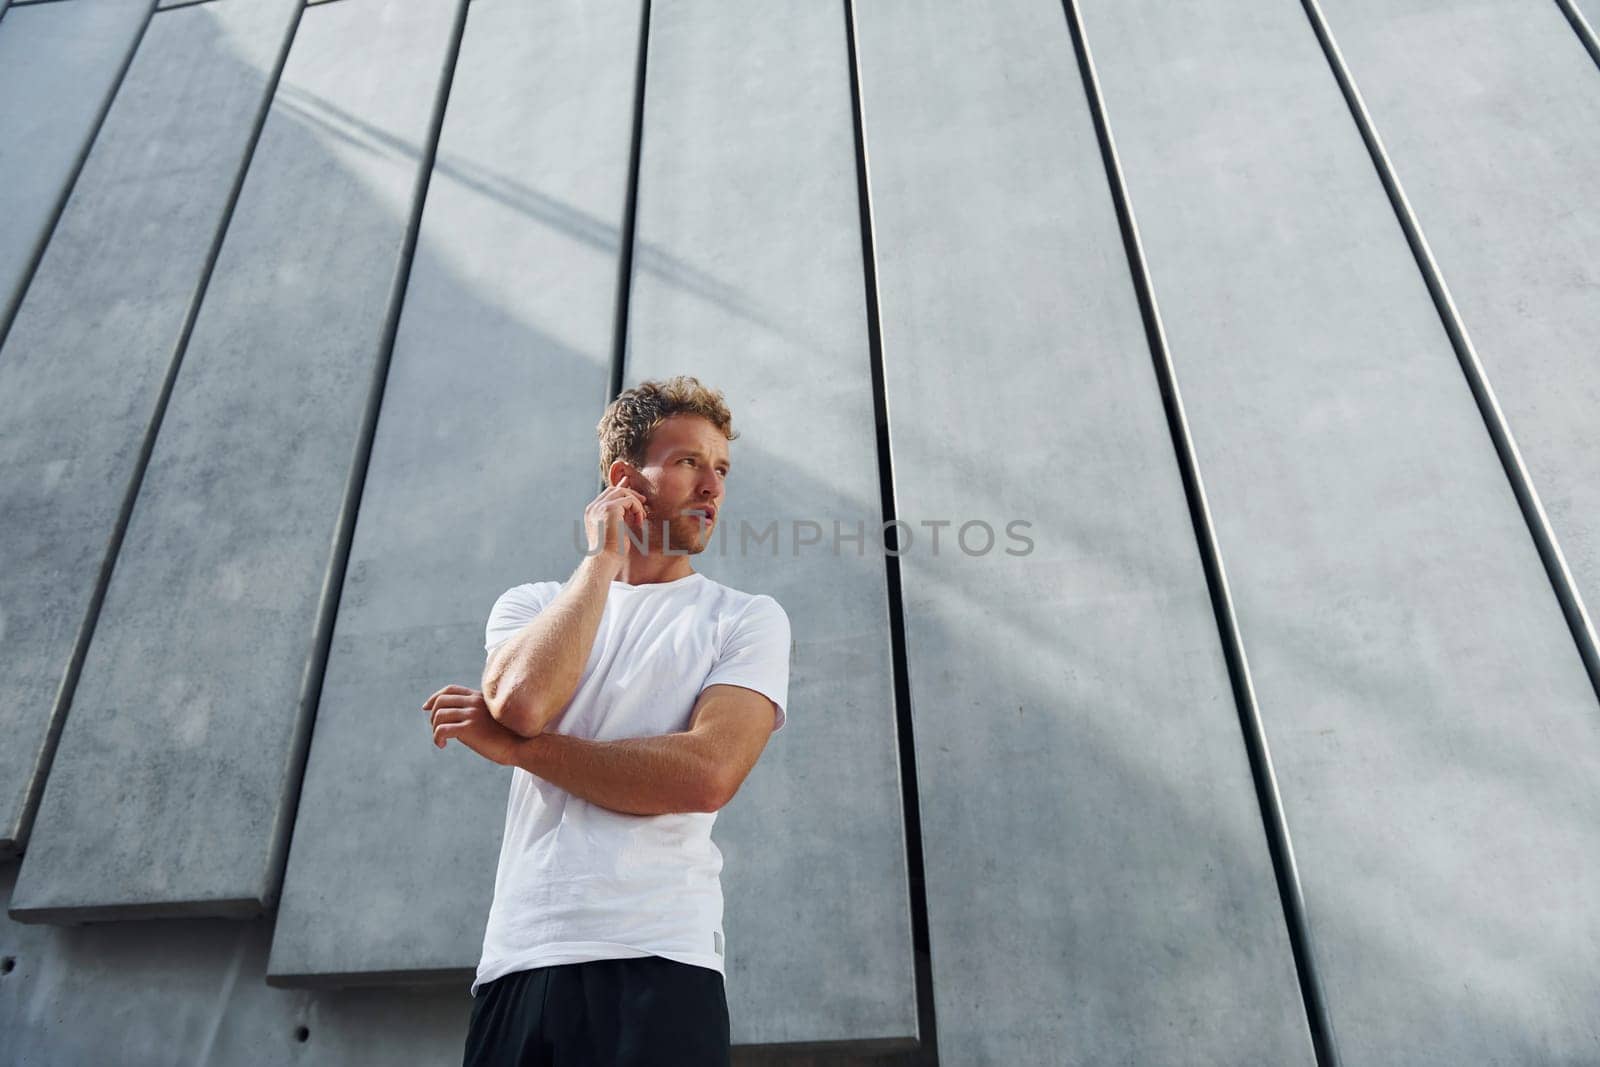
(686, 468)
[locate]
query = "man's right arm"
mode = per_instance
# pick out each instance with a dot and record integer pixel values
(532, 675)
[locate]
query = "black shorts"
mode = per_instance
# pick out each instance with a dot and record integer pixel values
(639, 1012)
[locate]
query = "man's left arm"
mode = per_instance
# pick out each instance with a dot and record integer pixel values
(699, 769)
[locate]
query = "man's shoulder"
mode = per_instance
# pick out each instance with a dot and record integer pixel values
(742, 607)
(739, 600)
(527, 594)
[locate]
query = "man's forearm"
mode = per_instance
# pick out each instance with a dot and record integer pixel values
(534, 674)
(658, 775)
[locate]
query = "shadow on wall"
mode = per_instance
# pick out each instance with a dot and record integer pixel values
(213, 1001)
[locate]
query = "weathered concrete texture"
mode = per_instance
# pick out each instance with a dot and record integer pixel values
(179, 767)
(1391, 600)
(1440, 776)
(191, 991)
(1491, 114)
(1099, 886)
(58, 65)
(748, 274)
(483, 460)
(93, 342)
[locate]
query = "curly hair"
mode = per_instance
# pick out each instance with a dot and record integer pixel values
(631, 418)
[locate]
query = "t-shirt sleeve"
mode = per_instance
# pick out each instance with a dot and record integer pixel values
(515, 609)
(755, 654)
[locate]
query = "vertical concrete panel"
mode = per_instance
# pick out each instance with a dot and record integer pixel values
(483, 460)
(92, 344)
(175, 784)
(1099, 885)
(748, 274)
(1491, 115)
(59, 63)
(1455, 843)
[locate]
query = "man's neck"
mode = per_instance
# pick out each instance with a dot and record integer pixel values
(654, 568)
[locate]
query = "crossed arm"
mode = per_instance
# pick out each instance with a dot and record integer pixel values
(696, 770)
(532, 675)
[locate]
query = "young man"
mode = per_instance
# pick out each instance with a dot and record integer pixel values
(631, 701)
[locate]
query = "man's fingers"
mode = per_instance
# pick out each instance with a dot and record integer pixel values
(449, 714)
(631, 505)
(446, 691)
(450, 696)
(620, 492)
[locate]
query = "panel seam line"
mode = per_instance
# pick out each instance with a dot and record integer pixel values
(1533, 511)
(1269, 798)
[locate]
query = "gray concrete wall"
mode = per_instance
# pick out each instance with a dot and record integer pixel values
(1075, 734)
(1358, 499)
(59, 66)
(180, 802)
(135, 241)
(291, 391)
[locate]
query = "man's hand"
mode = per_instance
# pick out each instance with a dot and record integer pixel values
(458, 712)
(611, 518)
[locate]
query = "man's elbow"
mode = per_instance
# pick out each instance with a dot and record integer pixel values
(711, 800)
(520, 716)
(718, 787)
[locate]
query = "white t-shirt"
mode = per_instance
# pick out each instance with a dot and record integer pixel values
(577, 881)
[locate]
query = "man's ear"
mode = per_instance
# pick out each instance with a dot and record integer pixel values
(634, 475)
